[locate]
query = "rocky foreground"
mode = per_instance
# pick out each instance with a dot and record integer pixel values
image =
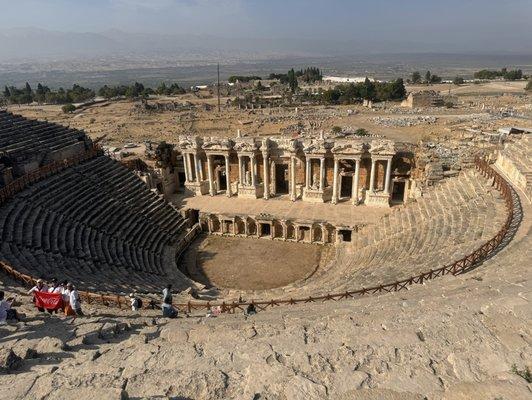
(465, 337)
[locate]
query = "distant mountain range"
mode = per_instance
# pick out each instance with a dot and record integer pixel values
(31, 44)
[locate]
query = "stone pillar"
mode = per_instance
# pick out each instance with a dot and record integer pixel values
(227, 177)
(185, 165)
(335, 182)
(240, 172)
(285, 230)
(266, 180)
(209, 224)
(189, 165)
(322, 173)
(209, 174)
(354, 193)
(246, 229)
(253, 170)
(388, 175)
(197, 169)
(234, 228)
(372, 175)
(293, 178)
(308, 173)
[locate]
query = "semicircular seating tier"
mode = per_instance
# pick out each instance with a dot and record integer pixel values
(26, 144)
(97, 225)
(449, 222)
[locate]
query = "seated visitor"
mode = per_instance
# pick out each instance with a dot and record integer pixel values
(251, 310)
(136, 302)
(6, 312)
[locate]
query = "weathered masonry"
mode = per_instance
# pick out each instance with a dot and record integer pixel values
(266, 226)
(313, 170)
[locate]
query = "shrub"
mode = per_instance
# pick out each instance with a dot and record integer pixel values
(68, 108)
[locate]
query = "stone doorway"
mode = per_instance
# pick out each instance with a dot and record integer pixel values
(398, 191)
(346, 187)
(221, 180)
(281, 179)
(265, 230)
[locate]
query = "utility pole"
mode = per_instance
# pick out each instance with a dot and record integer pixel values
(218, 87)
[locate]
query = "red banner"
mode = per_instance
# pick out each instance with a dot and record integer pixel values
(49, 301)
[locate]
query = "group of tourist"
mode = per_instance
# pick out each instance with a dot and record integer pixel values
(70, 304)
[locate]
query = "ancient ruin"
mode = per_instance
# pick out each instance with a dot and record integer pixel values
(372, 219)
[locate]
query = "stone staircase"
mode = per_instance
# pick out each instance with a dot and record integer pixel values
(97, 225)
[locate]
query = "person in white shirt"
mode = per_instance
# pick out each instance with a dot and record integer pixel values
(6, 312)
(55, 287)
(75, 302)
(39, 287)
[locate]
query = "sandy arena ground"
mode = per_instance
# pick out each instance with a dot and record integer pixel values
(251, 264)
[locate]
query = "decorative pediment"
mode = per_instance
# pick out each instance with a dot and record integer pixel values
(290, 145)
(348, 147)
(316, 147)
(188, 143)
(382, 147)
(217, 144)
(246, 145)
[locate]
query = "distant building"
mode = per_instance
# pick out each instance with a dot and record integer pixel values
(339, 79)
(424, 98)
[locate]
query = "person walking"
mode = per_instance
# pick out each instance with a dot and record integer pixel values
(75, 302)
(167, 308)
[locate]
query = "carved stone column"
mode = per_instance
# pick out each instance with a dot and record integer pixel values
(197, 168)
(335, 182)
(372, 175)
(293, 178)
(240, 171)
(388, 175)
(185, 165)
(209, 174)
(253, 170)
(308, 173)
(189, 165)
(266, 180)
(285, 230)
(322, 173)
(354, 192)
(227, 177)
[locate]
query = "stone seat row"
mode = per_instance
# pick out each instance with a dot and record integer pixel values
(38, 228)
(20, 135)
(87, 275)
(451, 221)
(98, 223)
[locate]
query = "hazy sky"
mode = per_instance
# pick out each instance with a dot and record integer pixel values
(477, 23)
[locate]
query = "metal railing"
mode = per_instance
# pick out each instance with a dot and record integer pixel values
(457, 267)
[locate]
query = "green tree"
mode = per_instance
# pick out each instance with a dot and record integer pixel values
(292, 80)
(428, 77)
(458, 80)
(435, 79)
(416, 77)
(68, 108)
